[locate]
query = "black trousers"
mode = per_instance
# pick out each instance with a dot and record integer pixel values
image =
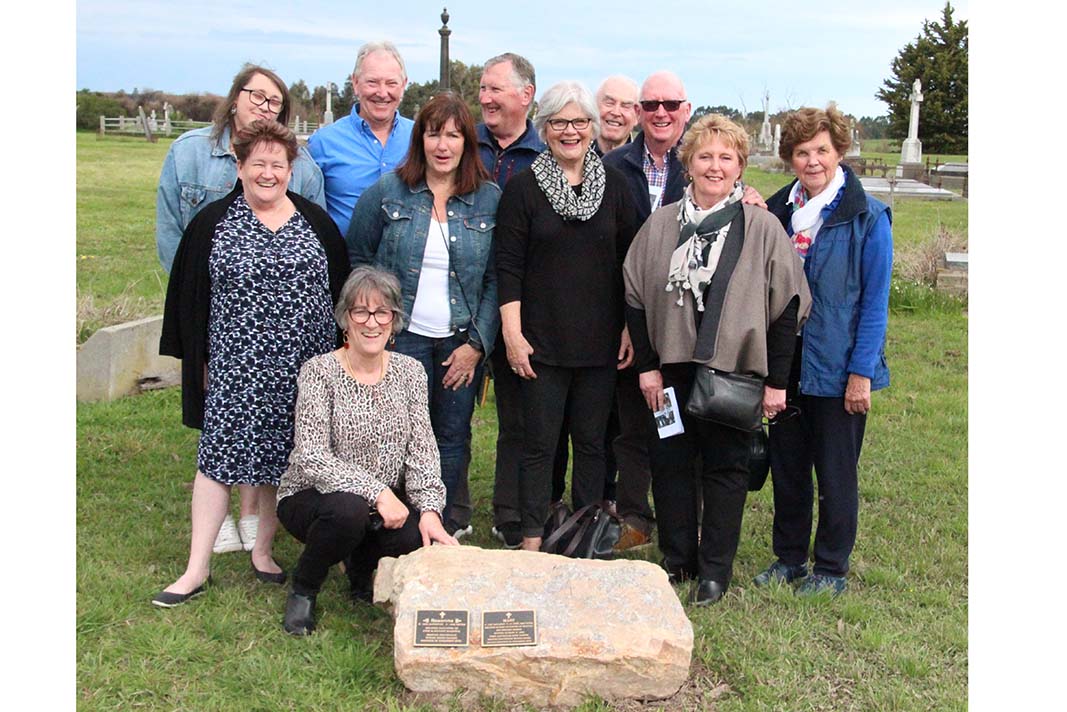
(631, 453)
(585, 396)
(722, 485)
(829, 439)
(334, 527)
(559, 464)
(507, 390)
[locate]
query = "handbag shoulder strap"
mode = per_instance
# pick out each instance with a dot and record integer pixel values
(550, 543)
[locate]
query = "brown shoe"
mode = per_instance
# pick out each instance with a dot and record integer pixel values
(631, 537)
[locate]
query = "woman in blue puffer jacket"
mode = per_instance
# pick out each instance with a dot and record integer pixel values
(845, 238)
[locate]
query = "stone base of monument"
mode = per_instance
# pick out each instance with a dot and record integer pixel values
(911, 171)
(124, 359)
(614, 629)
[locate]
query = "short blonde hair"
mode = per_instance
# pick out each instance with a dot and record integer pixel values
(805, 123)
(711, 126)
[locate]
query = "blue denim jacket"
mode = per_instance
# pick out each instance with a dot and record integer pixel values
(198, 171)
(848, 268)
(389, 228)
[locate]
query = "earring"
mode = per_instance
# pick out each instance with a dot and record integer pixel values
(392, 339)
(345, 337)
(233, 109)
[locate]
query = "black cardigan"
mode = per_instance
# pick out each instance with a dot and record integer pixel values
(188, 305)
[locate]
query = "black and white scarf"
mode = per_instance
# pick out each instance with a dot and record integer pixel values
(700, 242)
(553, 183)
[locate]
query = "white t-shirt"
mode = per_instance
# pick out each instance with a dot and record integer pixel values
(431, 314)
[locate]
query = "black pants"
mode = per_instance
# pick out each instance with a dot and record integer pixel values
(631, 453)
(585, 395)
(723, 485)
(509, 439)
(559, 464)
(829, 439)
(334, 527)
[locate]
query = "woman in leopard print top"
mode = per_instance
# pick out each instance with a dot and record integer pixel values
(364, 477)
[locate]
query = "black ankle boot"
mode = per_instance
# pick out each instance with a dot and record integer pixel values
(299, 614)
(708, 591)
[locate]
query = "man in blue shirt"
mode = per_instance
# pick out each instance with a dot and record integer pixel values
(357, 150)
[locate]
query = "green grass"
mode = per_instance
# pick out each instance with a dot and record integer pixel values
(896, 641)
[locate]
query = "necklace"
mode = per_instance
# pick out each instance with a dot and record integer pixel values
(352, 369)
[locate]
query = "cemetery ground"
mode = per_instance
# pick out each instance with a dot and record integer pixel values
(897, 640)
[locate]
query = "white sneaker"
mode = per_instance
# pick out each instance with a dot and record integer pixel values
(460, 533)
(248, 527)
(227, 539)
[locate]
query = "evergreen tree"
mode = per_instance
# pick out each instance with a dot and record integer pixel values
(937, 57)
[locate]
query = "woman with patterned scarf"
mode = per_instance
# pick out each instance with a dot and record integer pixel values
(713, 282)
(563, 228)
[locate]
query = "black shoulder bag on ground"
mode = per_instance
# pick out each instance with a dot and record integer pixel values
(590, 533)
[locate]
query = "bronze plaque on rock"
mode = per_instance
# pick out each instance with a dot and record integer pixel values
(441, 629)
(508, 628)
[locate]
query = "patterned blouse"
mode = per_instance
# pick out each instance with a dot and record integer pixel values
(351, 437)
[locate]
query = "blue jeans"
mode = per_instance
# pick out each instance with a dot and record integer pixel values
(450, 411)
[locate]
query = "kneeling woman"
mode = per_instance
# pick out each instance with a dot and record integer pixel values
(709, 282)
(364, 477)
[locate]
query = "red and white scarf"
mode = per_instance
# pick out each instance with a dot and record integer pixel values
(807, 211)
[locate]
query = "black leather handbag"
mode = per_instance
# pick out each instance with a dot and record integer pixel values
(728, 399)
(759, 460)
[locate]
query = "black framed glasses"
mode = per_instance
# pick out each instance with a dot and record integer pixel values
(561, 124)
(259, 99)
(362, 316)
(651, 105)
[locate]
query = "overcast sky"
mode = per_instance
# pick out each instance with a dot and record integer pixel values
(726, 53)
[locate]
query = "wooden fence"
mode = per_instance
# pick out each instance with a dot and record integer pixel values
(128, 125)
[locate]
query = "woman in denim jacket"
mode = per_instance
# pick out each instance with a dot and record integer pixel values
(199, 169)
(200, 166)
(431, 224)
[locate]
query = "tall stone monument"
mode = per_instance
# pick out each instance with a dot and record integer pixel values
(911, 149)
(765, 140)
(777, 139)
(445, 82)
(854, 146)
(327, 118)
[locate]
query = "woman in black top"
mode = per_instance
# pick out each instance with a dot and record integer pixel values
(563, 228)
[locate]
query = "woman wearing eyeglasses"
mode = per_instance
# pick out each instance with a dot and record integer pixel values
(364, 478)
(200, 168)
(249, 300)
(563, 228)
(431, 224)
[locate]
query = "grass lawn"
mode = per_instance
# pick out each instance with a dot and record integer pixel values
(896, 641)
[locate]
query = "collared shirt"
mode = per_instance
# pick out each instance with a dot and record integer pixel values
(657, 179)
(352, 159)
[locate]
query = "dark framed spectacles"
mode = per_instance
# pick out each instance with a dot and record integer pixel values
(259, 99)
(561, 124)
(362, 316)
(651, 105)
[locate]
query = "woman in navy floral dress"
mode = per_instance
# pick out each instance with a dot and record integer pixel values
(249, 301)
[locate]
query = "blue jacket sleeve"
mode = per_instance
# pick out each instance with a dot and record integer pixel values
(488, 317)
(877, 270)
(365, 229)
(168, 213)
(309, 182)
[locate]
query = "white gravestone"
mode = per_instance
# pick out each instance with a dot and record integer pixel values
(911, 150)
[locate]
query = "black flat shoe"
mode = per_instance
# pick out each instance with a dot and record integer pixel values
(266, 577)
(708, 592)
(299, 614)
(164, 599)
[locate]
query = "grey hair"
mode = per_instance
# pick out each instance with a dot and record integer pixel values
(383, 46)
(522, 72)
(363, 281)
(558, 96)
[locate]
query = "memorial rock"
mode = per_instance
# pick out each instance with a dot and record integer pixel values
(609, 628)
